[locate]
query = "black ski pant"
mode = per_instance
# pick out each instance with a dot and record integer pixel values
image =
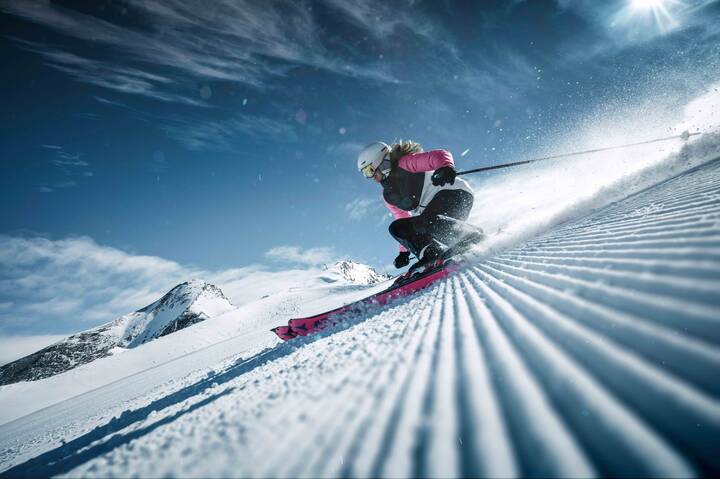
(442, 220)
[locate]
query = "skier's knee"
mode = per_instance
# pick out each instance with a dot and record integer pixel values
(402, 228)
(394, 229)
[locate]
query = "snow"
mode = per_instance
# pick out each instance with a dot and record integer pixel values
(582, 339)
(517, 204)
(242, 329)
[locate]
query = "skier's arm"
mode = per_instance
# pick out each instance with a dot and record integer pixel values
(398, 213)
(426, 161)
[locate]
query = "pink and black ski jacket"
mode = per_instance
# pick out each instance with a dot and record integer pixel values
(408, 188)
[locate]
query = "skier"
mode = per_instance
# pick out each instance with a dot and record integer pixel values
(422, 192)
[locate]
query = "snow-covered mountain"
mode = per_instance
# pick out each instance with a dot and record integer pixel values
(352, 272)
(184, 305)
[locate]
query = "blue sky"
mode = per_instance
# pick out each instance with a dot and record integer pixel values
(224, 137)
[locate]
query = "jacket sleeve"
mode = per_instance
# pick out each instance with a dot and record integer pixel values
(398, 213)
(426, 161)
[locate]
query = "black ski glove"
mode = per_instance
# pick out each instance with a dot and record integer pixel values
(403, 259)
(443, 175)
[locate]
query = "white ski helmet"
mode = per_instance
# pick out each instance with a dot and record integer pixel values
(373, 157)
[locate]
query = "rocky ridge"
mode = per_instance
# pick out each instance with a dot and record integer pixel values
(184, 305)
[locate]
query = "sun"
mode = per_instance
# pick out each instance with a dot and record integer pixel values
(660, 11)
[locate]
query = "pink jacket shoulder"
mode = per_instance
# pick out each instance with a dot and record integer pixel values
(426, 161)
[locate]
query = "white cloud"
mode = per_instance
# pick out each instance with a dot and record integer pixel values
(15, 347)
(223, 134)
(295, 254)
(53, 283)
(246, 42)
(72, 284)
(360, 208)
(57, 305)
(381, 18)
(56, 186)
(185, 43)
(71, 162)
(112, 76)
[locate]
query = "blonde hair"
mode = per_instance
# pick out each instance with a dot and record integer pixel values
(401, 148)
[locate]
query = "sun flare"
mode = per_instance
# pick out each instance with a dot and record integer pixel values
(660, 11)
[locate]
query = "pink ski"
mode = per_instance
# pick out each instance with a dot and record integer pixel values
(402, 287)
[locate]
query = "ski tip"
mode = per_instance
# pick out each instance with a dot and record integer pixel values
(284, 332)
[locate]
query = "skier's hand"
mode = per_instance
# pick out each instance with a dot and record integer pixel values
(443, 175)
(403, 259)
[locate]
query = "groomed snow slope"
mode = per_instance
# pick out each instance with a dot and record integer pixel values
(591, 350)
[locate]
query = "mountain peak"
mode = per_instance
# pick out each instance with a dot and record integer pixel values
(185, 304)
(186, 294)
(354, 272)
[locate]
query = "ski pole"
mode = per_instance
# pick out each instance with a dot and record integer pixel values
(685, 135)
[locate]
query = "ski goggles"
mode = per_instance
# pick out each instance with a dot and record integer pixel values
(369, 170)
